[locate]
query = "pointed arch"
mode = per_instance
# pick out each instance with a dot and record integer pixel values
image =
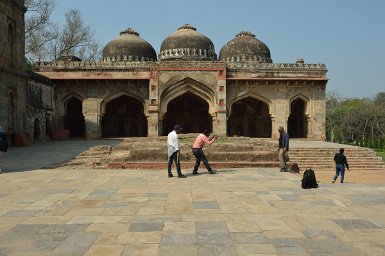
(66, 98)
(73, 115)
(250, 95)
(302, 97)
(123, 115)
(249, 115)
(112, 97)
(297, 122)
(11, 38)
(187, 85)
(12, 109)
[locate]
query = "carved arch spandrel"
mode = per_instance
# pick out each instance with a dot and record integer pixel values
(184, 86)
(66, 98)
(302, 97)
(105, 101)
(253, 96)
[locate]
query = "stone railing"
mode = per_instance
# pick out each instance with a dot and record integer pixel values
(275, 66)
(255, 58)
(177, 64)
(186, 53)
(127, 58)
(90, 65)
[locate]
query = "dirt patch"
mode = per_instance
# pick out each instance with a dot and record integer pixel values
(353, 177)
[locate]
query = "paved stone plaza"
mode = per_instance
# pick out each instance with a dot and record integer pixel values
(142, 212)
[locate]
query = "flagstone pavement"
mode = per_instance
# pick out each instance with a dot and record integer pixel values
(256, 211)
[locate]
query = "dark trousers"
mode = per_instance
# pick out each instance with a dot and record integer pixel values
(200, 156)
(174, 157)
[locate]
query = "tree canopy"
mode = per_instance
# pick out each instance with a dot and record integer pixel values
(355, 119)
(47, 40)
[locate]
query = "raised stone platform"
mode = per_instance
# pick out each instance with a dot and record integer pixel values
(227, 152)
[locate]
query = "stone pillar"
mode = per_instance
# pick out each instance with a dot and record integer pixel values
(153, 103)
(220, 122)
(309, 127)
(274, 127)
(281, 110)
(91, 118)
(153, 129)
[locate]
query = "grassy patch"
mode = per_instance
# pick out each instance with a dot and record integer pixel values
(380, 153)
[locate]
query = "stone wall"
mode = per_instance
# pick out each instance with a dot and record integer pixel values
(12, 66)
(40, 108)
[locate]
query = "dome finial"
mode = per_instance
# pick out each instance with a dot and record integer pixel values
(129, 31)
(245, 33)
(187, 26)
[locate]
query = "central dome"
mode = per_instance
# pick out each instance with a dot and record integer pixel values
(129, 47)
(187, 44)
(245, 47)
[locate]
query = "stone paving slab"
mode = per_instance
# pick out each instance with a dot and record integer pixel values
(143, 212)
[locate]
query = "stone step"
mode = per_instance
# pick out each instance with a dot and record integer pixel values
(188, 166)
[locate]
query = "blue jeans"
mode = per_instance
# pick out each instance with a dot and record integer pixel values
(340, 169)
(174, 157)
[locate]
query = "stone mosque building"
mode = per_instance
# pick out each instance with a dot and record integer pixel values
(135, 91)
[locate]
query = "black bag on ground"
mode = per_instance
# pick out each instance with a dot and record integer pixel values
(309, 180)
(294, 168)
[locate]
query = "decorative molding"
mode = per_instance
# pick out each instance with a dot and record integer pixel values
(127, 58)
(275, 66)
(188, 53)
(79, 65)
(255, 58)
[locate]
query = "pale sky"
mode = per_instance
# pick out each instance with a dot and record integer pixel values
(346, 35)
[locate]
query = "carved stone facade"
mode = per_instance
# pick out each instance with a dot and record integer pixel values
(26, 98)
(12, 67)
(241, 94)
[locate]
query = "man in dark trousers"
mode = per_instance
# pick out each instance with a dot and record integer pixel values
(173, 151)
(341, 162)
(283, 147)
(200, 141)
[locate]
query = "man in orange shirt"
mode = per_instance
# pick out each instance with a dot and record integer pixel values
(200, 141)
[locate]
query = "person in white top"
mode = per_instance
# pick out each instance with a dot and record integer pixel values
(174, 151)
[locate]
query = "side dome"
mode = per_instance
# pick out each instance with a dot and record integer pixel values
(245, 47)
(187, 44)
(129, 47)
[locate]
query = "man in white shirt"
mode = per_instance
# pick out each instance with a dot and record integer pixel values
(173, 151)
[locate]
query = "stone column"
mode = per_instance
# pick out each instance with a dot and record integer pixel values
(220, 123)
(274, 127)
(91, 118)
(153, 103)
(281, 110)
(153, 129)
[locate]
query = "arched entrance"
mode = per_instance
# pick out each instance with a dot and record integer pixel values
(74, 119)
(249, 117)
(124, 117)
(297, 122)
(11, 111)
(188, 110)
(36, 130)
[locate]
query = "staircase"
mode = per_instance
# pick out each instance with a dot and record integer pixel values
(322, 158)
(226, 152)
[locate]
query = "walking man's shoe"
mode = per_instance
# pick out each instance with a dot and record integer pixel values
(195, 173)
(181, 175)
(211, 172)
(170, 175)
